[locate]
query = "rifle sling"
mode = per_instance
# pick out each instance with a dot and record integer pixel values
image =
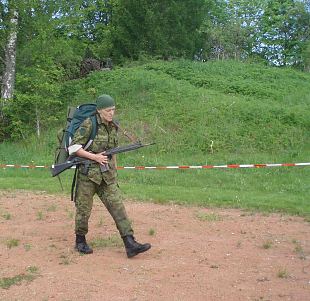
(74, 186)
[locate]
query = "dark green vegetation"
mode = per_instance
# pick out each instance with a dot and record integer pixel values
(198, 113)
(61, 40)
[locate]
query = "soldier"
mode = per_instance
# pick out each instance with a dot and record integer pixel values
(91, 179)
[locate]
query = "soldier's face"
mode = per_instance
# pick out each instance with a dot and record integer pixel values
(107, 114)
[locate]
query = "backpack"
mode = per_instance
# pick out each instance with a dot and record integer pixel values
(75, 117)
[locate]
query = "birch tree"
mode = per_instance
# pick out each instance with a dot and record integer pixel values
(8, 78)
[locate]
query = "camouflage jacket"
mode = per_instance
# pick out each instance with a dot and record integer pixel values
(106, 138)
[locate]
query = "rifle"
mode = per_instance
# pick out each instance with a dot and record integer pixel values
(56, 169)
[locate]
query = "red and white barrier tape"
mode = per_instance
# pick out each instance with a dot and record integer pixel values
(217, 166)
(177, 167)
(23, 166)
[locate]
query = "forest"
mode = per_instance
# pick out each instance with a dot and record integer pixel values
(46, 45)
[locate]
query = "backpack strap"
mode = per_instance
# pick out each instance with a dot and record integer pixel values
(74, 186)
(94, 130)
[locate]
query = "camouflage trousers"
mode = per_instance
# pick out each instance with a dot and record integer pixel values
(110, 196)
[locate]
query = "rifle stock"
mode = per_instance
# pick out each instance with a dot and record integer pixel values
(56, 169)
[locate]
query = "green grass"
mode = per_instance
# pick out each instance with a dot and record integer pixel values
(109, 242)
(11, 243)
(30, 275)
(66, 259)
(299, 250)
(52, 208)
(152, 232)
(27, 247)
(32, 269)
(283, 273)
(213, 113)
(6, 216)
(40, 215)
(282, 189)
(7, 282)
(267, 244)
(209, 217)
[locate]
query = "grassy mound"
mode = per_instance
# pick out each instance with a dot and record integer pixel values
(198, 113)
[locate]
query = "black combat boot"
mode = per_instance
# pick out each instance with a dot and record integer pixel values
(81, 245)
(133, 248)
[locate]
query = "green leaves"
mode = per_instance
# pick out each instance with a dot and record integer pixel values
(285, 27)
(54, 37)
(157, 28)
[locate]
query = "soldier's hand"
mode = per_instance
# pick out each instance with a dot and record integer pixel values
(101, 158)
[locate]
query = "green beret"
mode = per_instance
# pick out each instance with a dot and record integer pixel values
(104, 101)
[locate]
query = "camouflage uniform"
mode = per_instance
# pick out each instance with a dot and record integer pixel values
(92, 180)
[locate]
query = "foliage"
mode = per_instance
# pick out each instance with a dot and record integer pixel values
(277, 31)
(157, 28)
(253, 114)
(285, 28)
(87, 23)
(36, 107)
(260, 106)
(306, 57)
(230, 30)
(54, 37)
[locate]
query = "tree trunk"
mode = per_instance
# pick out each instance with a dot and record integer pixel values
(38, 121)
(8, 79)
